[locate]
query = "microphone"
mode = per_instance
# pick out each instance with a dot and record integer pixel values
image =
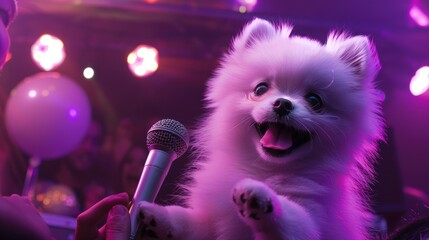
(166, 140)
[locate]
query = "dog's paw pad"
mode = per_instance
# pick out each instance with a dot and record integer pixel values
(253, 200)
(154, 222)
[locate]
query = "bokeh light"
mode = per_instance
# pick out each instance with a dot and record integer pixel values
(48, 52)
(419, 16)
(143, 61)
(246, 5)
(32, 93)
(55, 199)
(420, 81)
(419, 12)
(88, 73)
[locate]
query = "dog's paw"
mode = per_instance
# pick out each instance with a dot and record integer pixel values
(254, 201)
(155, 222)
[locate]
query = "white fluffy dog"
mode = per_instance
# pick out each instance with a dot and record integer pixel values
(286, 151)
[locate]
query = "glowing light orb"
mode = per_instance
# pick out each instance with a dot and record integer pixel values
(420, 81)
(48, 52)
(143, 61)
(88, 73)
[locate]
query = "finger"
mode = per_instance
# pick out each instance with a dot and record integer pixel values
(87, 222)
(118, 225)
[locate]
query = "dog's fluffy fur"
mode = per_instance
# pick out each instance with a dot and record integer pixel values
(287, 148)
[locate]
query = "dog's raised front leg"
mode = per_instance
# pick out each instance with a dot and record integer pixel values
(269, 215)
(170, 222)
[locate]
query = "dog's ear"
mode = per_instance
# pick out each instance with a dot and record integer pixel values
(357, 52)
(256, 30)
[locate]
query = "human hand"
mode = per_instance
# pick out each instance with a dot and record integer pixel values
(117, 226)
(19, 219)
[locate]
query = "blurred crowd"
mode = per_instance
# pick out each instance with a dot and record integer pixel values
(104, 163)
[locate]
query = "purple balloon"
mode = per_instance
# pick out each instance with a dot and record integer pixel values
(47, 115)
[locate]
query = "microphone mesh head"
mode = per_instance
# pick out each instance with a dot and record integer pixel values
(168, 134)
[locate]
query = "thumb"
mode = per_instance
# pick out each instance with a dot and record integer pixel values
(118, 224)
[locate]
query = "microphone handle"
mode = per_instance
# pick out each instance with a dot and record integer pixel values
(154, 172)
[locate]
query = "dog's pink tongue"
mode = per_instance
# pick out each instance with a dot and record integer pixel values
(277, 137)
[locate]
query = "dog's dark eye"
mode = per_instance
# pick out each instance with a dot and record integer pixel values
(260, 89)
(315, 102)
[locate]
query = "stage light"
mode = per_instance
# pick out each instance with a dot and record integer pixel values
(88, 73)
(143, 61)
(48, 52)
(246, 5)
(419, 13)
(420, 82)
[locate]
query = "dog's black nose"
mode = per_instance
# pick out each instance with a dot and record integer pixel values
(282, 107)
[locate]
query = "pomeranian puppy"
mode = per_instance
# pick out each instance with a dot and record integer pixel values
(287, 149)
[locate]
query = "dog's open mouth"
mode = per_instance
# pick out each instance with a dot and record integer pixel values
(278, 139)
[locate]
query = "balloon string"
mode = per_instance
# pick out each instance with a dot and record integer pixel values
(31, 176)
